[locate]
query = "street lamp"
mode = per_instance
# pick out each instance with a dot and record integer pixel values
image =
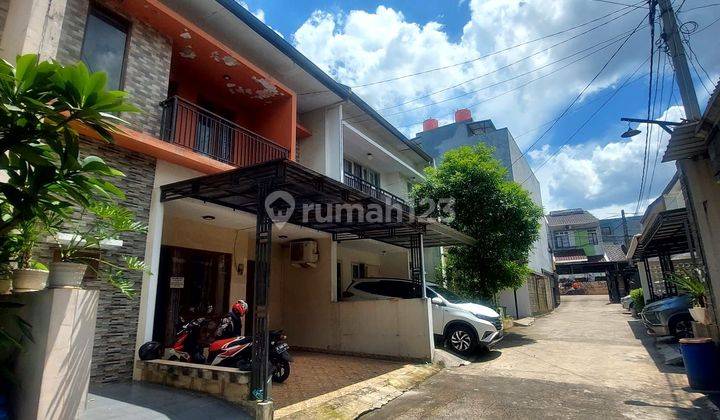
(631, 132)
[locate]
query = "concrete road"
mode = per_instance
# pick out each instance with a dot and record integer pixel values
(585, 360)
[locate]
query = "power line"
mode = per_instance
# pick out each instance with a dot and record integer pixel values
(617, 3)
(607, 63)
(660, 132)
(707, 26)
(699, 7)
(649, 103)
(609, 42)
(516, 87)
(391, 79)
(577, 109)
(505, 66)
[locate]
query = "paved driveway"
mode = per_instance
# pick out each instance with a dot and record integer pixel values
(585, 360)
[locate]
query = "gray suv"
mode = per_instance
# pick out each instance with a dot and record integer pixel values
(669, 316)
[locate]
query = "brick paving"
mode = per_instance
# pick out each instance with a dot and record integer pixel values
(313, 374)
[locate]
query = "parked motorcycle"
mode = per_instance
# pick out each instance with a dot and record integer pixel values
(229, 352)
(237, 352)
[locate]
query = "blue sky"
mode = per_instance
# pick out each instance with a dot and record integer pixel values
(358, 42)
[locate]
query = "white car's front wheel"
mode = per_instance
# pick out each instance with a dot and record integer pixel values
(461, 339)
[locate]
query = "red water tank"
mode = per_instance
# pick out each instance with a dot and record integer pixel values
(463, 115)
(430, 124)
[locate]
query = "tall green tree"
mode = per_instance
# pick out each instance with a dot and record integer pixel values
(497, 212)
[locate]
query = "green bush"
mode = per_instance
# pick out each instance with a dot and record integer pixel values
(638, 299)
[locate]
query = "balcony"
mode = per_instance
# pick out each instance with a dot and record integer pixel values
(189, 126)
(373, 191)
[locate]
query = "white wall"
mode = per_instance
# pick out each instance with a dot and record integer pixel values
(322, 152)
(165, 173)
(394, 327)
(32, 26)
(312, 319)
(53, 372)
(506, 298)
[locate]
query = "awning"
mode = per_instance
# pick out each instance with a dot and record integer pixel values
(569, 256)
(318, 202)
(685, 142)
(668, 234)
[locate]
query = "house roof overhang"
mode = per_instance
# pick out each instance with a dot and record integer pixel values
(319, 202)
(666, 235)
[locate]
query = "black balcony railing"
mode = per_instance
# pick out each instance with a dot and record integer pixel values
(188, 125)
(373, 191)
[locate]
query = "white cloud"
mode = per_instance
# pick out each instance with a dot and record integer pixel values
(358, 47)
(605, 175)
(259, 13)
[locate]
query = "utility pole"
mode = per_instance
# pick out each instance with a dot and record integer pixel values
(625, 229)
(671, 36)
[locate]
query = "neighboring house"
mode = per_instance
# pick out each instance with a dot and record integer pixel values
(218, 91)
(536, 295)
(695, 146)
(613, 231)
(575, 236)
(580, 252)
(664, 242)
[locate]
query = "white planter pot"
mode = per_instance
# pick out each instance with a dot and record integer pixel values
(29, 280)
(67, 274)
(700, 314)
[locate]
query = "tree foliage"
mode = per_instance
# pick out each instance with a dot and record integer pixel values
(41, 103)
(497, 212)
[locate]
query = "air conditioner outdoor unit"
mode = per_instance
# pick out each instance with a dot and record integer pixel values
(303, 253)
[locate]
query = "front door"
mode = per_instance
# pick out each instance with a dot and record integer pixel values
(192, 283)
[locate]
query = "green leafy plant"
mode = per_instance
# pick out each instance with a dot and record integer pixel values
(107, 221)
(498, 212)
(41, 105)
(690, 280)
(24, 239)
(638, 299)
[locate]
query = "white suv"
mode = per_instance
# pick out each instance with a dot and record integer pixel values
(464, 326)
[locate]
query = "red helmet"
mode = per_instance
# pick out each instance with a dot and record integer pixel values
(240, 308)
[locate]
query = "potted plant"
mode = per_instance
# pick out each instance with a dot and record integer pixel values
(81, 250)
(29, 274)
(691, 282)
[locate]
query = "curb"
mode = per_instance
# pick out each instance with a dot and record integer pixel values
(353, 400)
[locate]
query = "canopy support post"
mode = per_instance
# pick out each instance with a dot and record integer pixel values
(417, 262)
(260, 379)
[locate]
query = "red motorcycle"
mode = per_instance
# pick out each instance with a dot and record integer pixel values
(229, 352)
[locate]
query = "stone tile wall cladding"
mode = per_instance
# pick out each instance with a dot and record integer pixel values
(146, 79)
(117, 316)
(147, 65)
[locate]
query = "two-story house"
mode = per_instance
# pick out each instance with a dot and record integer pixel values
(535, 296)
(231, 113)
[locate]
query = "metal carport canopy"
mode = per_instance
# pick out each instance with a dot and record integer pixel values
(238, 189)
(668, 234)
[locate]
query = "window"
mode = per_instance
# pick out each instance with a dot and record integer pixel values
(592, 236)
(562, 240)
(103, 47)
(362, 172)
(359, 271)
(606, 231)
